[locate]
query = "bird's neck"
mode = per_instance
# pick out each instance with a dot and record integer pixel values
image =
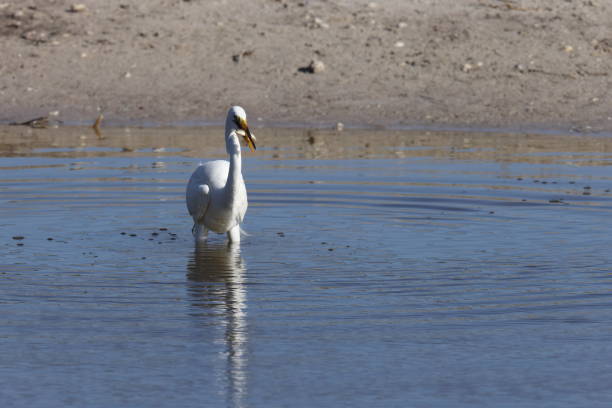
(234, 178)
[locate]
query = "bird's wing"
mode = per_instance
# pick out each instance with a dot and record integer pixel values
(204, 199)
(198, 198)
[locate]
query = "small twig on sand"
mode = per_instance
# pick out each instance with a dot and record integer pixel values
(96, 125)
(558, 74)
(509, 6)
(36, 123)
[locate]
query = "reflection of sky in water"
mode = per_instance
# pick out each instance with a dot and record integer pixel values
(444, 269)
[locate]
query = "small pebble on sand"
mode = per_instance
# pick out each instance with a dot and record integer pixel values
(467, 67)
(317, 66)
(77, 8)
(320, 23)
(314, 67)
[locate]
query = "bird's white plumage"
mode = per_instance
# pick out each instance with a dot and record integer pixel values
(216, 194)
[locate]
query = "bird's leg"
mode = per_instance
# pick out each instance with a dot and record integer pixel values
(234, 235)
(200, 232)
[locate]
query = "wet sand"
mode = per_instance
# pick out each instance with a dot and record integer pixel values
(469, 62)
(204, 142)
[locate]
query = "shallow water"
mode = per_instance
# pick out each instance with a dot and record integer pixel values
(382, 269)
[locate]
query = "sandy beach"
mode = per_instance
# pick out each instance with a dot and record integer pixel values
(483, 63)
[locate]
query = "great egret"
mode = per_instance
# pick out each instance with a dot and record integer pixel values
(216, 194)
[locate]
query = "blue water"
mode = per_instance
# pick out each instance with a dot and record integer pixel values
(379, 271)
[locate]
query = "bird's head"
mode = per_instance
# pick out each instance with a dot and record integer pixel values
(237, 122)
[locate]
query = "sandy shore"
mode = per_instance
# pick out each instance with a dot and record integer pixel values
(395, 62)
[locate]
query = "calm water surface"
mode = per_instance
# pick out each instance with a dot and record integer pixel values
(382, 269)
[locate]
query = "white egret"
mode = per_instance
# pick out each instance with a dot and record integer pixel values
(216, 194)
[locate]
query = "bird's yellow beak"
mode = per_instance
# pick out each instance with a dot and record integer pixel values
(249, 138)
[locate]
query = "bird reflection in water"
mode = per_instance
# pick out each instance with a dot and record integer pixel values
(218, 284)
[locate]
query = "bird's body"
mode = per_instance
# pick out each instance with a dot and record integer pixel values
(216, 194)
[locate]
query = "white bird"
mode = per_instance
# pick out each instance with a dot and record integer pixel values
(216, 195)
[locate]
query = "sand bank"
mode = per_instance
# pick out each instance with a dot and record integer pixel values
(394, 62)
